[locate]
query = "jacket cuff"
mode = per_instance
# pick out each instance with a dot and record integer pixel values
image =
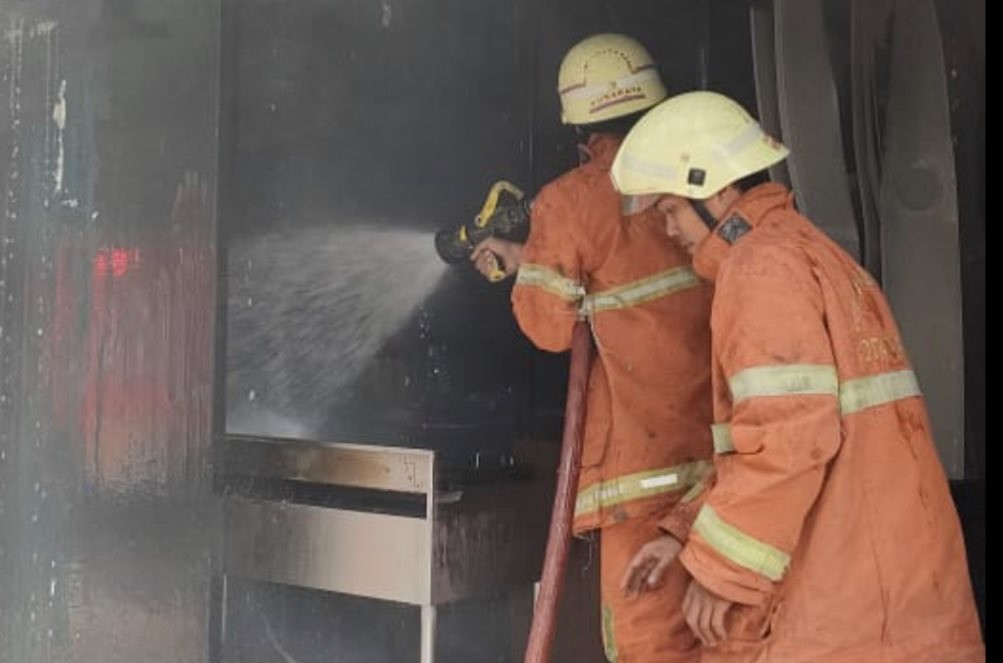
(679, 521)
(723, 578)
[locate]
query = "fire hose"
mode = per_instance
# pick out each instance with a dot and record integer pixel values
(541, 634)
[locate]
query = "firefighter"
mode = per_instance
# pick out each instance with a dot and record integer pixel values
(829, 533)
(647, 438)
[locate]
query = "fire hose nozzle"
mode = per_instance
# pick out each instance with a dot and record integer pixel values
(505, 214)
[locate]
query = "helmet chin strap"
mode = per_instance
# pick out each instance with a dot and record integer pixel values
(704, 214)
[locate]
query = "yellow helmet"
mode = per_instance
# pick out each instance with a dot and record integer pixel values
(691, 145)
(607, 76)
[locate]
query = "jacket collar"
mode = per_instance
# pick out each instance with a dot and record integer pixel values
(599, 149)
(740, 219)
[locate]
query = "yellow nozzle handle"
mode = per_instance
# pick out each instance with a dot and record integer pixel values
(492, 201)
(497, 273)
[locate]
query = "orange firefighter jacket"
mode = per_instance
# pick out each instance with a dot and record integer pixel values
(647, 438)
(830, 523)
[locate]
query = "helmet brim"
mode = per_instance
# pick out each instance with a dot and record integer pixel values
(631, 205)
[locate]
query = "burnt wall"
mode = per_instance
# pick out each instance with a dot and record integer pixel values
(108, 142)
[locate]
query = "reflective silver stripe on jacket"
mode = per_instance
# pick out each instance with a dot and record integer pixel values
(640, 291)
(639, 485)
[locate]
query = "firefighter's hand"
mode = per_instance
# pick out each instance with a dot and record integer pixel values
(705, 613)
(495, 255)
(645, 571)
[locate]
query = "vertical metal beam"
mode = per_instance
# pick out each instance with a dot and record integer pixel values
(809, 119)
(918, 203)
(764, 64)
(11, 162)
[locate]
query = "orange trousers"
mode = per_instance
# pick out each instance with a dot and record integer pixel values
(649, 628)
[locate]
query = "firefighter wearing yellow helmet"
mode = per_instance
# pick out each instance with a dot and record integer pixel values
(823, 444)
(647, 439)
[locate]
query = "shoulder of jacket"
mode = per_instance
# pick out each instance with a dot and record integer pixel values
(565, 191)
(569, 180)
(766, 252)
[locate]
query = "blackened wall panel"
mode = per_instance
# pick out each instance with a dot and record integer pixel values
(358, 129)
(108, 141)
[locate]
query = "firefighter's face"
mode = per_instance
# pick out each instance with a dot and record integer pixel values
(682, 223)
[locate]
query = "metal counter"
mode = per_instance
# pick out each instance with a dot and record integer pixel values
(402, 525)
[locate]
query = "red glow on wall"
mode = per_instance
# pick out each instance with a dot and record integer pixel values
(116, 262)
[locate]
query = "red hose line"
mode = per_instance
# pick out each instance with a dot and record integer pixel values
(555, 561)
